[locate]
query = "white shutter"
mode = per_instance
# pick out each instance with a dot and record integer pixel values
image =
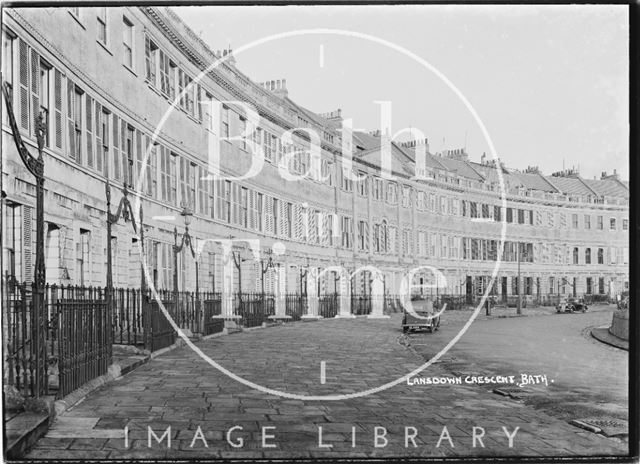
(57, 103)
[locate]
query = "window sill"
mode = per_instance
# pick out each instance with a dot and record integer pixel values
(130, 70)
(104, 47)
(77, 19)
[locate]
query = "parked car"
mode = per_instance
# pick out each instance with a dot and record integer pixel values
(572, 305)
(622, 300)
(411, 322)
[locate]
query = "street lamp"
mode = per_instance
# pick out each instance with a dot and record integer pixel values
(186, 239)
(264, 268)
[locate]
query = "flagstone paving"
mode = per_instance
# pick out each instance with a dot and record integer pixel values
(205, 413)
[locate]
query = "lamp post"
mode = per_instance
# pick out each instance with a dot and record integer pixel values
(35, 166)
(186, 239)
(264, 269)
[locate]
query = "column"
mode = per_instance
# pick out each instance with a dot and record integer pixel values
(377, 297)
(281, 291)
(344, 298)
(227, 291)
(312, 295)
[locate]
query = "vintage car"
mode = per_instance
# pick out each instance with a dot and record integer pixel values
(623, 300)
(427, 320)
(572, 305)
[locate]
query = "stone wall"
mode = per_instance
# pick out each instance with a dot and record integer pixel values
(620, 324)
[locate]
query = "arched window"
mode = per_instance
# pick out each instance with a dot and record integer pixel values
(575, 255)
(600, 255)
(587, 256)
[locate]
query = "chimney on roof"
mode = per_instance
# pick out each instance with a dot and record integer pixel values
(335, 115)
(459, 154)
(278, 87)
(606, 176)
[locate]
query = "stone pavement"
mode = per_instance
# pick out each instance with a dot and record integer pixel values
(182, 395)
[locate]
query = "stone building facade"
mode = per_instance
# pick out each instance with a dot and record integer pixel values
(107, 78)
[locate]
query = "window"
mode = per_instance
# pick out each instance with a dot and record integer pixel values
(587, 221)
(377, 188)
(473, 207)
(362, 184)
(612, 223)
(574, 221)
(102, 148)
(496, 213)
(225, 121)
(168, 175)
(244, 207)
(8, 59)
(599, 223)
(75, 122)
(289, 219)
(485, 211)
(45, 88)
(363, 243)
(259, 209)
(625, 224)
(102, 25)
(127, 42)
(82, 257)
(276, 216)
(185, 93)
(589, 285)
(406, 196)
(392, 194)
(187, 184)
(520, 216)
(243, 128)
(587, 256)
(601, 285)
(346, 232)
(575, 255)
(167, 75)
(150, 58)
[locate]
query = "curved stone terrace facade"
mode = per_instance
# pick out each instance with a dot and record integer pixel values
(106, 77)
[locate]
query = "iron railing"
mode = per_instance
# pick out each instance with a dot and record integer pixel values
(254, 308)
(295, 305)
(328, 305)
(84, 334)
(212, 306)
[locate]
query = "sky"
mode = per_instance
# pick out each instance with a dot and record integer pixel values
(549, 83)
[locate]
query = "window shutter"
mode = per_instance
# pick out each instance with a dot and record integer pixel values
(268, 214)
(123, 152)
(35, 90)
(140, 180)
(149, 171)
(27, 235)
(89, 105)
(23, 75)
(252, 209)
(57, 102)
(235, 201)
(298, 225)
(325, 228)
(71, 122)
(99, 151)
(116, 157)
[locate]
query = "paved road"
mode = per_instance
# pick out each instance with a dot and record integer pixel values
(589, 378)
(179, 390)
